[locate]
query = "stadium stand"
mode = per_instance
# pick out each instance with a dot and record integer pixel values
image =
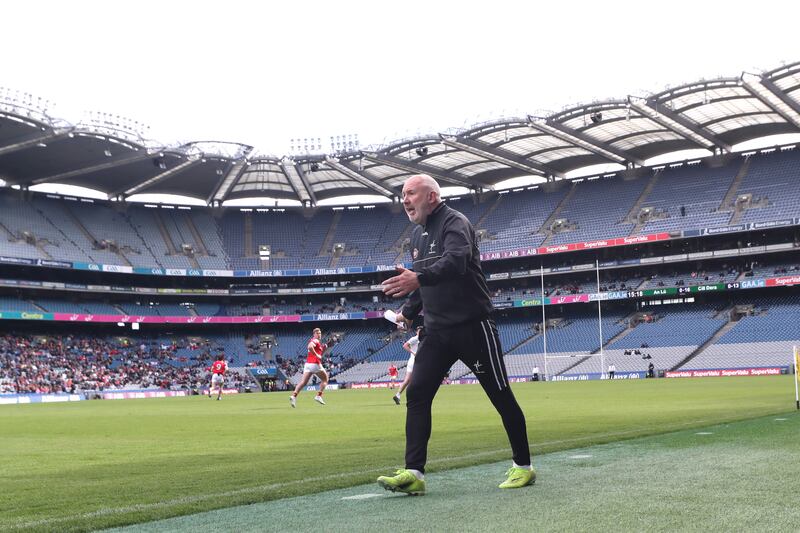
(516, 219)
(771, 183)
(681, 198)
(689, 197)
(618, 197)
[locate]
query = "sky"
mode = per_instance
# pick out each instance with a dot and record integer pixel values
(262, 73)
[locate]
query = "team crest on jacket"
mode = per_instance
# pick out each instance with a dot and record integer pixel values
(415, 253)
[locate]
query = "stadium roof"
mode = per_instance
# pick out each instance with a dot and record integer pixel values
(112, 155)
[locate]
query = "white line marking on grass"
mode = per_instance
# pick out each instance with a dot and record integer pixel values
(362, 496)
(581, 456)
(139, 507)
(780, 420)
(704, 433)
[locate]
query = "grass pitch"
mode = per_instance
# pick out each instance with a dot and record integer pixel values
(88, 465)
(740, 476)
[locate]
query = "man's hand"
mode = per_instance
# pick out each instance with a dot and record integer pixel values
(404, 283)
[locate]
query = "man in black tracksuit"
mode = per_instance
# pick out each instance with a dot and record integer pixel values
(448, 284)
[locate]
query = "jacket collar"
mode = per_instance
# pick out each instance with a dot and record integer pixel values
(434, 214)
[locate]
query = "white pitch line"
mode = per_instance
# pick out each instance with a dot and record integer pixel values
(581, 456)
(704, 433)
(780, 420)
(362, 496)
(262, 488)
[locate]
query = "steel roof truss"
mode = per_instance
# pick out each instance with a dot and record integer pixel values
(294, 173)
(676, 123)
(415, 168)
(499, 155)
(773, 99)
(362, 179)
(157, 178)
(132, 158)
(583, 141)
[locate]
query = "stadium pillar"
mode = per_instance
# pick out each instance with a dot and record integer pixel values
(796, 377)
(600, 319)
(544, 324)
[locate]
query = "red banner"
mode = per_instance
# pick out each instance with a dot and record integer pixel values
(783, 281)
(571, 247)
(603, 243)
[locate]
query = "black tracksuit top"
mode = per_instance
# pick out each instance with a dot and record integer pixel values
(448, 265)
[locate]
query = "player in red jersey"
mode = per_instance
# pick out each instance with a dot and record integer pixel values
(392, 375)
(218, 369)
(312, 367)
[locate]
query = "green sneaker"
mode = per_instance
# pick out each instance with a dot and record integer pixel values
(518, 477)
(403, 481)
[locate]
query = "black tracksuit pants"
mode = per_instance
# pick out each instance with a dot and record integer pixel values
(477, 344)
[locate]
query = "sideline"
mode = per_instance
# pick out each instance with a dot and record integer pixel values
(444, 460)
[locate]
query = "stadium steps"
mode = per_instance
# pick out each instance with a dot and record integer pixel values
(193, 261)
(40, 247)
(725, 328)
(90, 237)
(124, 259)
(37, 306)
(398, 244)
(489, 211)
(633, 214)
(248, 235)
(198, 239)
(142, 239)
(545, 227)
(79, 225)
(61, 231)
(727, 202)
(523, 341)
(327, 244)
(738, 213)
(622, 334)
(725, 311)
(11, 236)
(405, 234)
(164, 233)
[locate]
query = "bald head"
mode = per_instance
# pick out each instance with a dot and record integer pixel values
(424, 180)
(421, 195)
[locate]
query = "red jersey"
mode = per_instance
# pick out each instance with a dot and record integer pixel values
(393, 371)
(315, 349)
(219, 367)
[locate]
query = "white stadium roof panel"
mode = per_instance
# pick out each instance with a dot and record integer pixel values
(477, 168)
(727, 124)
(505, 135)
(452, 158)
(333, 185)
(711, 114)
(382, 171)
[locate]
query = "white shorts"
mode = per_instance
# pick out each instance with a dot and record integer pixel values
(217, 379)
(410, 365)
(313, 367)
